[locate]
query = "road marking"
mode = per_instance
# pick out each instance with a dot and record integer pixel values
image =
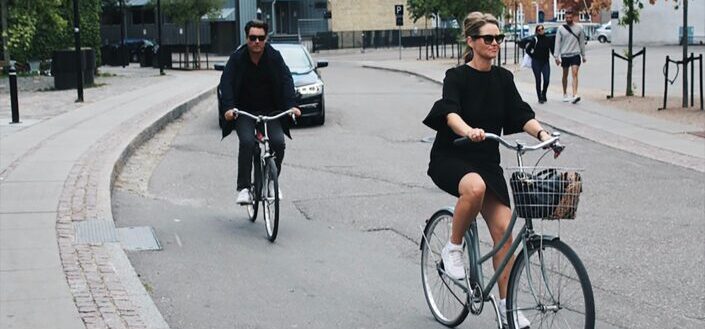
(178, 240)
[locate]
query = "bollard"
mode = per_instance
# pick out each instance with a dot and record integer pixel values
(700, 58)
(691, 59)
(13, 95)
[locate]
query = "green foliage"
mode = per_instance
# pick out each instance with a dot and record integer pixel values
(631, 12)
(457, 9)
(38, 27)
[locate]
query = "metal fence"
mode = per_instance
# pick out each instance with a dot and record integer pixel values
(381, 38)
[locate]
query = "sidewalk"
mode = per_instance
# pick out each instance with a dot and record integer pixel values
(56, 173)
(663, 140)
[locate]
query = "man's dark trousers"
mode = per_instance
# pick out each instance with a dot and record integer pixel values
(245, 128)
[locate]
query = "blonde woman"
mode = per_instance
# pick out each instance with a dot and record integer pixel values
(478, 98)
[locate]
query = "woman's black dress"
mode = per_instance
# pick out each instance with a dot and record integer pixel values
(487, 100)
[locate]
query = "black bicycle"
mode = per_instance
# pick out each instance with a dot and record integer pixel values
(265, 183)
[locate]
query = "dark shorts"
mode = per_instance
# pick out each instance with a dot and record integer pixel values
(570, 61)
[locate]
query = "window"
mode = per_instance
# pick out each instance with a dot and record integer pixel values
(144, 16)
(520, 14)
(561, 16)
(585, 16)
(320, 5)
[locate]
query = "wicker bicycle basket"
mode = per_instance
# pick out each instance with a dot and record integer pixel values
(546, 193)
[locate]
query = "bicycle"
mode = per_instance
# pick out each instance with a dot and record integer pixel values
(265, 183)
(544, 270)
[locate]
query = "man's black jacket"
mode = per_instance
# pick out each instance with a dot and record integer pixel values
(232, 79)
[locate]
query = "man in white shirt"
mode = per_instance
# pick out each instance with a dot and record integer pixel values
(569, 51)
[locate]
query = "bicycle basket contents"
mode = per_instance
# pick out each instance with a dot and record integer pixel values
(549, 193)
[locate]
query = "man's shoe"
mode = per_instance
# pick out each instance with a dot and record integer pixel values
(244, 197)
(576, 99)
(452, 256)
(522, 321)
(566, 98)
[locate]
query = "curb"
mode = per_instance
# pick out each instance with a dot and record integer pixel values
(574, 128)
(148, 310)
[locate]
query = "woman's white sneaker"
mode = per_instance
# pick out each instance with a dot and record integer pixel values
(452, 256)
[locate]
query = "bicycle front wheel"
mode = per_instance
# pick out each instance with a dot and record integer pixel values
(447, 301)
(270, 200)
(552, 290)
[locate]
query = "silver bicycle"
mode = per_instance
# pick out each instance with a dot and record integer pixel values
(265, 183)
(548, 283)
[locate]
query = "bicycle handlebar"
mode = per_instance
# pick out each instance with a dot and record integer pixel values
(263, 118)
(552, 143)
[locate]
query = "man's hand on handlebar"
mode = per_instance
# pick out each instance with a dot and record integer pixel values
(230, 115)
(296, 110)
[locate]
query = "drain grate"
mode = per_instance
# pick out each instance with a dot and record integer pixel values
(138, 238)
(94, 231)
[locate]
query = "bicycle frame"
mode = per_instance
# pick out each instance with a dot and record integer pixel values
(525, 234)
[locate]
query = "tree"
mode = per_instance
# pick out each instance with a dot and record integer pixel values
(630, 17)
(184, 12)
(456, 9)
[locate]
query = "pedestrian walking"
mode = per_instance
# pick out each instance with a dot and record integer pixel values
(538, 48)
(569, 51)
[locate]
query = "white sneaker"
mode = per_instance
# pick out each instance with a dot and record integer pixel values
(244, 197)
(522, 321)
(452, 256)
(575, 99)
(566, 98)
(281, 195)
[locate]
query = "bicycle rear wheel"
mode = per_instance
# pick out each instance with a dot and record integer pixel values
(447, 301)
(270, 200)
(255, 189)
(553, 290)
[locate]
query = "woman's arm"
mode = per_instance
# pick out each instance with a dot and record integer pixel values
(461, 128)
(533, 128)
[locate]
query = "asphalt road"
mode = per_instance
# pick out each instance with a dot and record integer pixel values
(356, 196)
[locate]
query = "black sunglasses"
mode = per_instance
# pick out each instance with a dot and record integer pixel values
(487, 39)
(254, 38)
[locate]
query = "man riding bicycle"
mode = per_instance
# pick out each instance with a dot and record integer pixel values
(256, 80)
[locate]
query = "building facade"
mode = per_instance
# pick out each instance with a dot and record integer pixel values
(660, 24)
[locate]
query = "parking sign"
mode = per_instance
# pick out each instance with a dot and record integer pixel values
(399, 14)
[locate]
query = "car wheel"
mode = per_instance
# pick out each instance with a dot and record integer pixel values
(602, 39)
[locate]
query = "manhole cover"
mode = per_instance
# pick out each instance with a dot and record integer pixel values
(138, 238)
(94, 231)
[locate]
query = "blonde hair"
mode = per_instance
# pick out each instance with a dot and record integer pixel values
(472, 24)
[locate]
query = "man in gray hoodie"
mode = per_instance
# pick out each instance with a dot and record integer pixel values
(569, 51)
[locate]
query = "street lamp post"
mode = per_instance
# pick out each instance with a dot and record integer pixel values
(160, 51)
(77, 39)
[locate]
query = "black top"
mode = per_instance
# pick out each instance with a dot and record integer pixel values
(539, 47)
(256, 93)
(487, 100)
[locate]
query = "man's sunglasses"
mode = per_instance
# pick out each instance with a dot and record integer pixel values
(487, 39)
(254, 38)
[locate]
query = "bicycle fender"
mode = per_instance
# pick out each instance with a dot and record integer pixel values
(535, 240)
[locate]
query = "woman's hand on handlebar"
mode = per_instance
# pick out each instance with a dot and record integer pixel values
(230, 115)
(475, 134)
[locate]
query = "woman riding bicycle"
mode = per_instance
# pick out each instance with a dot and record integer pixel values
(477, 97)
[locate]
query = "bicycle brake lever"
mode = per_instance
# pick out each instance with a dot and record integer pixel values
(557, 149)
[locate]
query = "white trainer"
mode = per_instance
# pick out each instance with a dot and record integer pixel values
(522, 321)
(575, 99)
(452, 256)
(567, 99)
(281, 195)
(244, 197)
